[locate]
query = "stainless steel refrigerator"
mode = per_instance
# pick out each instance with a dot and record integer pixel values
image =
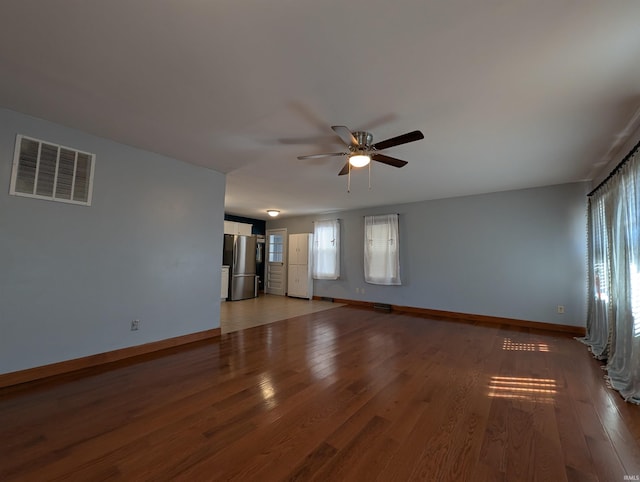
(240, 256)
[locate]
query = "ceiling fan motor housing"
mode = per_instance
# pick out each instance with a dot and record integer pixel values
(364, 141)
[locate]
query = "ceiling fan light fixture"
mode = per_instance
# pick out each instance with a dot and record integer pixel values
(359, 160)
(273, 212)
(362, 150)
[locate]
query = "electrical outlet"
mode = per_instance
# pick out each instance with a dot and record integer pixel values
(362, 290)
(135, 325)
(560, 309)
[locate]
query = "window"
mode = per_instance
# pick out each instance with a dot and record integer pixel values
(326, 249)
(600, 253)
(381, 250)
(48, 171)
(275, 248)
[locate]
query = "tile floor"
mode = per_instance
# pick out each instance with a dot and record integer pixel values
(238, 315)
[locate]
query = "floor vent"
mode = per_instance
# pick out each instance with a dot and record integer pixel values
(382, 307)
(326, 298)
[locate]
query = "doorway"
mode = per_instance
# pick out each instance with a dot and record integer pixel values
(276, 283)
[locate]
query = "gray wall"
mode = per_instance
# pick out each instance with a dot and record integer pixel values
(515, 254)
(73, 277)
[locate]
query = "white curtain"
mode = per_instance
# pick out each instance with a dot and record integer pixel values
(613, 324)
(381, 250)
(598, 331)
(326, 249)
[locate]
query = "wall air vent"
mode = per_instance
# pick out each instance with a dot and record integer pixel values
(44, 170)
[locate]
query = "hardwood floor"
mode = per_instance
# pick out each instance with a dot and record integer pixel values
(342, 394)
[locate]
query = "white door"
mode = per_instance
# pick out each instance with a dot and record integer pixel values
(276, 269)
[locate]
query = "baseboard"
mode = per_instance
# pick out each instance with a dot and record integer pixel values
(37, 373)
(468, 317)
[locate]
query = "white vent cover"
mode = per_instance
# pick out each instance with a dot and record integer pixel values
(48, 171)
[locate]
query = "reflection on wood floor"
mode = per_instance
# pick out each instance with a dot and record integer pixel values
(238, 315)
(346, 394)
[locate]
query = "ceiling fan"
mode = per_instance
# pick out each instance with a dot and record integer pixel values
(361, 151)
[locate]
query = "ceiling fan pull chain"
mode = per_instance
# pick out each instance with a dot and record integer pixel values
(349, 179)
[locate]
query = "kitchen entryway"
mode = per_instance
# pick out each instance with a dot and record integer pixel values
(238, 315)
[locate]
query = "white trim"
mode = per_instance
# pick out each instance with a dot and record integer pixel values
(35, 179)
(55, 173)
(73, 179)
(14, 166)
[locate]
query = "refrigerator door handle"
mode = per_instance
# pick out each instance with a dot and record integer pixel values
(235, 252)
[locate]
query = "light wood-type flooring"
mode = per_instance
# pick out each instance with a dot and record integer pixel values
(238, 315)
(345, 394)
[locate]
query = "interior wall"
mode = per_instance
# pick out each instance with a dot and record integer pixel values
(74, 277)
(514, 254)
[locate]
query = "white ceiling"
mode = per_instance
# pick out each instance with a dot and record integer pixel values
(509, 93)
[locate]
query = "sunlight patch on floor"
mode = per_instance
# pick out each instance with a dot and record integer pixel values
(510, 345)
(531, 389)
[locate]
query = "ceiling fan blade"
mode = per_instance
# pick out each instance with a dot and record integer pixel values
(396, 141)
(391, 161)
(345, 170)
(318, 156)
(346, 135)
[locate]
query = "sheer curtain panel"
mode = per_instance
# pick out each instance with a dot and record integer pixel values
(613, 324)
(326, 249)
(599, 263)
(381, 250)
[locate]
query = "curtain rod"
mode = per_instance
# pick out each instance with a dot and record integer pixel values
(397, 214)
(616, 169)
